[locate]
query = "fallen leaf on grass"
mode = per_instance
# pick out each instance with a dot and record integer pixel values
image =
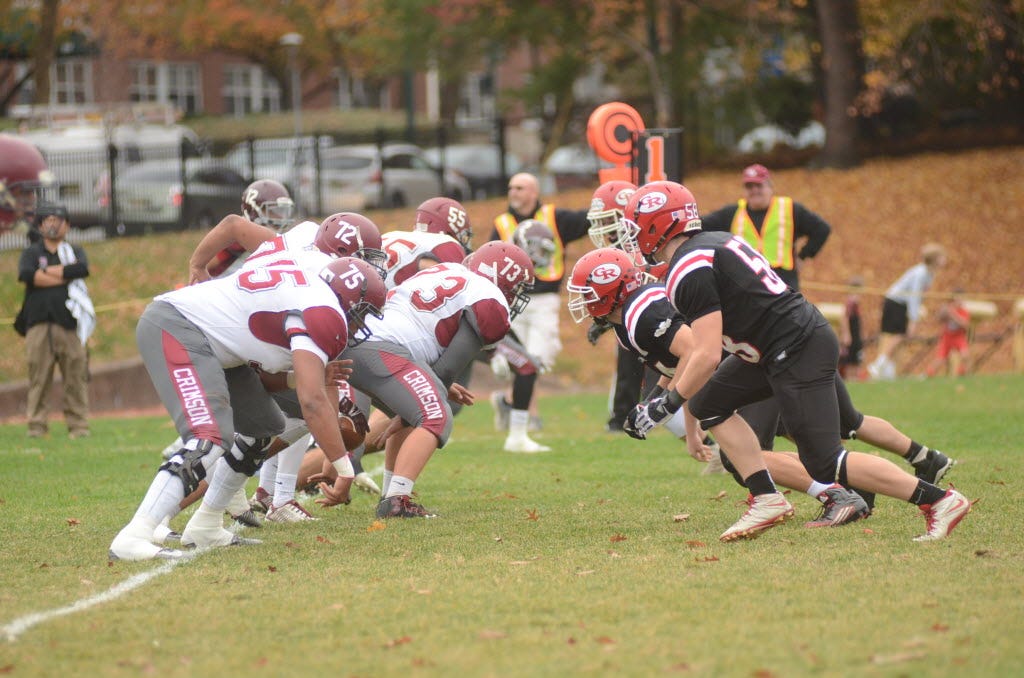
(707, 559)
(271, 568)
(681, 666)
(43, 566)
(291, 545)
(262, 661)
(497, 538)
(489, 634)
(719, 497)
(323, 540)
(605, 640)
(73, 521)
(618, 537)
(984, 553)
(868, 530)
(939, 628)
(7, 669)
(763, 673)
(583, 573)
(395, 642)
(694, 544)
(898, 658)
(680, 517)
(571, 640)
(376, 526)
(532, 514)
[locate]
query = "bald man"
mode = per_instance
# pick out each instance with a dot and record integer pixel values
(537, 326)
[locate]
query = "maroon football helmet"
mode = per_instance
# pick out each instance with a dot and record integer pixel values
(360, 291)
(508, 267)
(447, 216)
(347, 234)
(23, 173)
(267, 202)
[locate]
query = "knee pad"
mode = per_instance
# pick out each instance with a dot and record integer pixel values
(826, 470)
(190, 466)
(246, 458)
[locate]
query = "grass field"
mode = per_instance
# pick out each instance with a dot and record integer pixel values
(567, 563)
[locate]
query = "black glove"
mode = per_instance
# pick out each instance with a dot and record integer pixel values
(651, 413)
(595, 331)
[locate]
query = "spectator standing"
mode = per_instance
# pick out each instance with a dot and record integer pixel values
(951, 354)
(901, 308)
(537, 327)
(58, 319)
(774, 225)
(851, 340)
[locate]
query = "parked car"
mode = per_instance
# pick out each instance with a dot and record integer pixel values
(480, 164)
(282, 159)
(573, 166)
(363, 176)
(151, 195)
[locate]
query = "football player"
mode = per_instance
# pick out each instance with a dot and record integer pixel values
(265, 202)
(295, 315)
(23, 174)
(779, 344)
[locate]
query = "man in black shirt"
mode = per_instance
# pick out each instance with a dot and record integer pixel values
(780, 345)
(59, 318)
(774, 225)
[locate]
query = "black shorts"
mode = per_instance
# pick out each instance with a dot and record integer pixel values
(894, 317)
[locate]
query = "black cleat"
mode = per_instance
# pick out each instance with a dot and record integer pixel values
(402, 506)
(839, 506)
(933, 467)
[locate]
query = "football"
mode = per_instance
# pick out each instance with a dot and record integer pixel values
(352, 437)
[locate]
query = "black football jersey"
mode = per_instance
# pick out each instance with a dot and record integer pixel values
(761, 316)
(648, 324)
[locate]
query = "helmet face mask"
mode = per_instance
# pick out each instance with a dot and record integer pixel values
(267, 203)
(509, 268)
(601, 281)
(606, 213)
(361, 293)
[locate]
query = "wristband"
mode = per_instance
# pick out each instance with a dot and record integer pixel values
(344, 466)
(289, 379)
(674, 400)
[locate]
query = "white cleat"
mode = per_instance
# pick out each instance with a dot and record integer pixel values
(207, 537)
(365, 483)
(764, 511)
(125, 547)
(944, 515)
(289, 512)
(524, 445)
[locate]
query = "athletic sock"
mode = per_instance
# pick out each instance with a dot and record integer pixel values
(760, 482)
(399, 485)
(917, 453)
(926, 493)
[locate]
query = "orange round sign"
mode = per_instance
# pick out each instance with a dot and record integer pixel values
(610, 131)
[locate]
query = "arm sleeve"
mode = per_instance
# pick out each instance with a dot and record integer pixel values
(813, 227)
(572, 224)
(720, 219)
(461, 350)
(79, 269)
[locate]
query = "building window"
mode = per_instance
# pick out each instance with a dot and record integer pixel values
(167, 83)
(70, 82)
(354, 92)
(476, 100)
(250, 89)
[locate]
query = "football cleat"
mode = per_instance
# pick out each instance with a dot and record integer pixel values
(365, 483)
(134, 548)
(289, 512)
(248, 517)
(839, 506)
(402, 506)
(524, 445)
(764, 511)
(206, 537)
(945, 514)
(933, 467)
(261, 500)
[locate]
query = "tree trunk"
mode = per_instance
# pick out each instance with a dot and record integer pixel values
(45, 48)
(842, 65)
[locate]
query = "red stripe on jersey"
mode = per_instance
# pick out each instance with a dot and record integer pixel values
(686, 264)
(191, 395)
(638, 307)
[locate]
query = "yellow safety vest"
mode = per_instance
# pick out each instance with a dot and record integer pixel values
(506, 224)
(775, 241)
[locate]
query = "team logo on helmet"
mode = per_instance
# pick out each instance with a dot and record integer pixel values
(606, 273)
(652, 202)
(623, 196)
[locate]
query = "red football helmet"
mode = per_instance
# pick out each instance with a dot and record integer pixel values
(661, 211)
(360, 291)
(605, 215)
(23, 172)
(446, 216)
(600, 282)
(266, 202)
(347, 234)
(509, 268)
(536, 239)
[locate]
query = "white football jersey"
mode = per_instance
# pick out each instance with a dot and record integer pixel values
(424, 312)
(299, 237)
(243, 315)
(404, 250)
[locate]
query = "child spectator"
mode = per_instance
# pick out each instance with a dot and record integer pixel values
(851, 342)
(902, 308)
(951, 353)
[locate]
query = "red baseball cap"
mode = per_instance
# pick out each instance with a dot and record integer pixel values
(756, 174)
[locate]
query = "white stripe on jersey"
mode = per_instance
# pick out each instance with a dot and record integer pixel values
(686, 264)
(637, 309)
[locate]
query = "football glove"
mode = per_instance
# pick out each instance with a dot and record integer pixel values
(654, 412)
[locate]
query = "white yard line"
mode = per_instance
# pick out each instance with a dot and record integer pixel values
(17, 627)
